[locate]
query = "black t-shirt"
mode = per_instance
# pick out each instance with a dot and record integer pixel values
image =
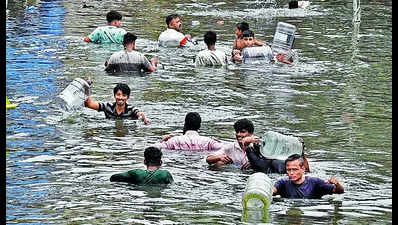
(110, 111)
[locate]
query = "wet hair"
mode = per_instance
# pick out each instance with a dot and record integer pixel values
(192, 121)
(210, 38)
(293, 4)
(170, 17)
(244, 124)
(123, 87)
(242, 26)
(113, 15)
(295, 157)
(153, 156)
(129, 38)
(248, 33)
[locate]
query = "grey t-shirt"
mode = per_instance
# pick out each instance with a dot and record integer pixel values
(124, 61)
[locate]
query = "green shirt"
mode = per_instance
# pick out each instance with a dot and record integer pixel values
(143, 177)
(107, 34)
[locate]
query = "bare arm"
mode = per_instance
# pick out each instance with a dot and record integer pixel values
(258, 43)
(338, 188)
(220, 159)
(89, 103)
(154, 64)
(143, 118)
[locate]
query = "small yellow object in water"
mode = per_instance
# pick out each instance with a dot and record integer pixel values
(9, 105)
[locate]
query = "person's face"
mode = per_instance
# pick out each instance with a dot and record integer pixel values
(117, 23)
(176, 23)
(240, 135)
(294, 170)
(248, 41)
(121, 98)
(238, 32)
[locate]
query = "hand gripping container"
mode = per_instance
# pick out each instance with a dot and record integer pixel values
(274, 145)
(74, 95)
(257, 197)
(284, 38)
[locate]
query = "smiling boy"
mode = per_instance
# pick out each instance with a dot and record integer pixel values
(119, 109)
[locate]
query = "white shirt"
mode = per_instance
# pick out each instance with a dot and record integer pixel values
(170, 38)
(211, 58)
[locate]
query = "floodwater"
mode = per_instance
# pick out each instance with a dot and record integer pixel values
(337, 97)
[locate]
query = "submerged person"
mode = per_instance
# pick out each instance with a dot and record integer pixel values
(113, 33)
(129, 59)
(238, 42)
(173, 36)
(119, 109)
(259, 163)
(250, 52)
(297, 185)
(234, 152)
(190, 140)
(152, 175)
(211, 56)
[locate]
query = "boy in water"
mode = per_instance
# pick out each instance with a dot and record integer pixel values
(211, 56)
(152, 175)
(129, 59)
(238, 42)
(256, 53)
(172, 36)
(113, 33)
(119, 109)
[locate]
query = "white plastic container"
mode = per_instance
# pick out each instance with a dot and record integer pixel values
(74, 95)
(284, 38)
(257, 197)
(274, 145)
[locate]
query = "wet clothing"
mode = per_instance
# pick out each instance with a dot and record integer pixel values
(191, 140)
(144, 177)
(211, 58)
(110, 111)
(312, 187)
(124, 61)
(107, 34)
(233, 151)
(172, 38)
(250, 54)
(261, 164)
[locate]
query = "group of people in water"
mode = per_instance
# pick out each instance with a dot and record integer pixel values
(243, 153)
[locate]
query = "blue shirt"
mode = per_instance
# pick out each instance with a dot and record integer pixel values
(312, 187)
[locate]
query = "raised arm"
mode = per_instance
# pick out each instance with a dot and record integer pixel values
(89, 103)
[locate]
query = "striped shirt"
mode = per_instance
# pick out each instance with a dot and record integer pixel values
(124, 61)
(211, 58)
(111, 113)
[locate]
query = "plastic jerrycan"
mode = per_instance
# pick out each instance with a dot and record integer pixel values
(257, 197)
(274, 145)
(283, 38)
(75, 94)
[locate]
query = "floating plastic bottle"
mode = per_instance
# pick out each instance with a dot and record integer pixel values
(284, 38)
(257, 197)
(274, 145)
(74, 95)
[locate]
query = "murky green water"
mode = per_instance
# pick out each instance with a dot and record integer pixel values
(338, 97)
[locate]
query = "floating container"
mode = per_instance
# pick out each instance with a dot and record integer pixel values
(284, 38)
(274, 145)
(257, 197)
(74, 95)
